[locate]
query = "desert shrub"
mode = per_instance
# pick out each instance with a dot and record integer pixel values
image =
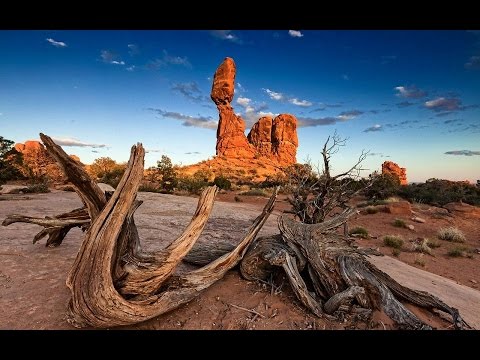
(384, 186)
(371, 210)
(359, 231)
(399, 223)
(439, 192)
(10, 161)
(273, 180)
(396, 252)
(222, 182)
(254, 192)
(393, 241)
(237, 198)
(149, 188)
(36, 188)
(191, 184)
(419, 260)
(457, 251)
(421, 246)
(451, 234)
(433, 244)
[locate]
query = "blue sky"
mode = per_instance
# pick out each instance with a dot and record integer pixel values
(412, 97)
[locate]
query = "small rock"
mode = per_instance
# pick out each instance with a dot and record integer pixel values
(218, 298)
(410, 227)
(473, 281)
(418, 219)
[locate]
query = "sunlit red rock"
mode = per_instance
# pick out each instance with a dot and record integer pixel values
(389, 167)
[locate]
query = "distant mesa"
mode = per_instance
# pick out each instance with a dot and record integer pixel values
(389, 167)
(274, 140)
(30, 147)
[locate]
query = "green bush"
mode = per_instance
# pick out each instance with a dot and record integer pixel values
(255, 192)
(393, 241)
(36, 189)
(439, 192)
(457, 251)
(359, 231)
(451, 234)
(384, 186)
(399, 223)
(222, 182)
(191, 184)
(396, 252)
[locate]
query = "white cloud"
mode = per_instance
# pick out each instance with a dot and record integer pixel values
(55, 43)
(67, 141)
(243, 101)
(298, 102)
(274, 95)
(345, 77)
(131, 68)
(226, 35)
(410, 92)
(295, 33)
(444, 104)
(110, 57)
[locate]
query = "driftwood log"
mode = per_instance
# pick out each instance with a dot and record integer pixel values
(114, 282)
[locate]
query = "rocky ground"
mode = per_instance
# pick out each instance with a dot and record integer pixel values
(33, 294)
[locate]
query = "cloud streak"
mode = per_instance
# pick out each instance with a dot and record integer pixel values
(349, 115)
(463, 152)
(109, 57)
(295, 33)
(374, 128)
(278, 96)
(67, 141)
(168, 59)
(444, 104)
(410, 92)
(227, 35)
(190, 90)
(205, 122)
(58, 44)
(473, 63)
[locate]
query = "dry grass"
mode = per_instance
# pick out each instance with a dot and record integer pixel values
(359, 232)
(393, 241)
(371, 210)
(419, 260)
(421, 246)
(399, 223)
(451, 234)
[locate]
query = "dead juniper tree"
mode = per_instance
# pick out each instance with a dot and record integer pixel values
(315, 194)
(113, 281)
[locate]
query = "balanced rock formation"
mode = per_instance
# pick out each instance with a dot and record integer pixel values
(273, 139)
(231, 140)
(389, 167)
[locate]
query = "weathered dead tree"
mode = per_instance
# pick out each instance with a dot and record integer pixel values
(328, 274)
(113, 282)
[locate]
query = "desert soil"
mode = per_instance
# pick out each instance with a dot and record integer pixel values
(33, 294)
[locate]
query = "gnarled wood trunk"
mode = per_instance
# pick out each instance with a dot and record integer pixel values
(112, 282)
